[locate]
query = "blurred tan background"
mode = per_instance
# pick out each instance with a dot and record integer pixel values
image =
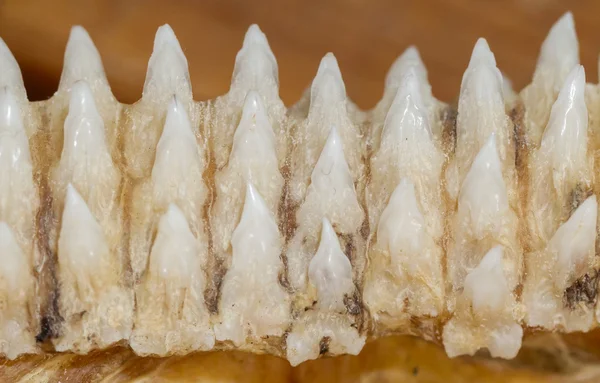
(366, 36)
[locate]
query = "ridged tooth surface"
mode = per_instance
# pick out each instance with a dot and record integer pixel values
(485, 313)
(561, 273)
(327, 322)
(171, 317)
(328, 108)
(176, 177)
(255, 71)
(253, 158)
(19, 199)
(481, 112)
(558, 56)
(561, 168)
(409, 163)
(253, 303)
(93, 303)
(331, 194)
(10, 75)
(17, 289)
(85, 160)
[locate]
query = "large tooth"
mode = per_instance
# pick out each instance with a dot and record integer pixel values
(178, 166)
(90, 281)
(255, 62)
(328, 87)
(409, 60)
(481, 112)
(18, 194)
(558, 55)
(82, 61)
(86, 161)
(17, 332)
(167, 68)
(330, 271)
(253, 158)
(484, 316)
(253, 303)
(557, 273)
(171, 296)
(566, 136)
(10, 74)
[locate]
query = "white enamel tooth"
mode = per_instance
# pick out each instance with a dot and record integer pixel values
(82, 245)
(82, 61)
(15, 270)
(10, 73)
(167, 68)
(331, 173)
(559, 52)
(486, 286)
(328, 85)
(565, 138)
(574, 243)
(483, 192)
(252, 298)
(401, 227)
(482, 77)
(254, 144)
(330, 271)
(407, 118)
(410, 59)
(255, 61)
(175, 252)
(178, 165)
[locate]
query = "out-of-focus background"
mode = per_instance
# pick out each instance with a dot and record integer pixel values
(366, 36)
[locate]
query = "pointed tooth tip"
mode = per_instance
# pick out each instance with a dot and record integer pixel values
(482, 53)
(79, 34)
(255, 35)
(565, 23)
(82, 98)
(253, 101)
(329, 63)
(165, 35)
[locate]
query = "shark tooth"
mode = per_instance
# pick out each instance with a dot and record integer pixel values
(10, 75)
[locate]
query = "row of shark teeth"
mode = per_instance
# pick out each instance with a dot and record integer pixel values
(177, 226)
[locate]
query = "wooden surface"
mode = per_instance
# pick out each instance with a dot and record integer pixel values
(366, 36)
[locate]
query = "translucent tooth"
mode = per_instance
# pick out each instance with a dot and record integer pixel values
(410, 59)
(177, 170)
(85, 160)
(255, 61)
(14, 268)
(483, 192)
(574, 243)
(565, 138)
(407, 118)
(254, 141)
(82, 60)
(330, 271)
(167, 68)
(328, 85)
(560, 51)
(252, 300)
(174, 255)
(10, 73)
(482, 78)
(485, 286)
(82, 243)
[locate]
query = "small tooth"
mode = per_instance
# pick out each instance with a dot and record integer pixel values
(254, 142)
(252, 298)
(15, 271)
(482, 77)
(255, 62)
(82, 60)
(407, 118)
(174, 255)
(328, 85)
(401, 227)
(82, 246)
(85, 160)
(168, 67)
(177, 170)
(565, 138)
(331, 173)
(483, 192)
(10, 73)
(330, 271)
(574, 243)
(560, 51)
(485, 286)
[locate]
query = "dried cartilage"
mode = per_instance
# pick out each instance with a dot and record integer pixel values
(330, 324)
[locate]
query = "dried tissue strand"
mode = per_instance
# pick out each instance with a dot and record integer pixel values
(175, 226)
